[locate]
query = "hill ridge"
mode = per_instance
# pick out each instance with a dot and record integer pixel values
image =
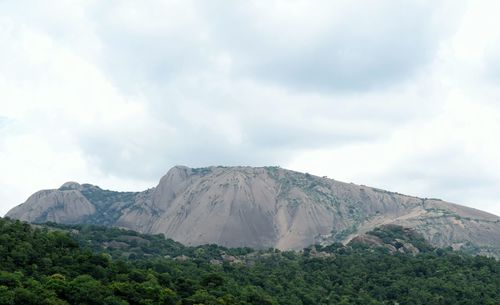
(261, 207)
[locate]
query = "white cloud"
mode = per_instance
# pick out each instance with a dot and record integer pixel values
(397, 96)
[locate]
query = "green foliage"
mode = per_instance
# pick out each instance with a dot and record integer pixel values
(108, 204)
(120, 243)
(202, 171)
(48, 265)
(394, 234)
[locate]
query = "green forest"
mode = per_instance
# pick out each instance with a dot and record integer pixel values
(57, 264)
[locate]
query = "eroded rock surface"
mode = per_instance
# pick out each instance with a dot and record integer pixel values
(262, 207)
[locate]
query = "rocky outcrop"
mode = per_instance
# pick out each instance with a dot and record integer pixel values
(261, 207)
(394, 238)
(68, 206)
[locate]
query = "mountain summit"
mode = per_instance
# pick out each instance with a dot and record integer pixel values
(262, 207)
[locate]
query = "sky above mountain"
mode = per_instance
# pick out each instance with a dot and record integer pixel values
(398, 95)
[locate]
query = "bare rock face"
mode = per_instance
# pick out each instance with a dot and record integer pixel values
(262, 207)
(394, 238)
(65, 205)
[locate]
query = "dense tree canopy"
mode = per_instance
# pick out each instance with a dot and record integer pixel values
(96, 265)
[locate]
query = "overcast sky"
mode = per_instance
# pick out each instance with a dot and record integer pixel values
(400, 95)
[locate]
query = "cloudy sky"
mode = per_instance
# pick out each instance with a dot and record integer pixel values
(400, 95)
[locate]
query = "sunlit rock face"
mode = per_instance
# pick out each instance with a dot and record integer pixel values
(261, 207)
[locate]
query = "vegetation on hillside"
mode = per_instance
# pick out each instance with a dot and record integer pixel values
(95, 265)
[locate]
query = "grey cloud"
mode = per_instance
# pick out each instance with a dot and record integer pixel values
(141, 51)
(361, 51)
(177, 64)
(3, 121)
(448, 174)
(288, 137)
(194, 147)
(364, 46)
(120, 157)
(492, 62)
(133, 59)
(261, 143)
(269, 127)
(368, 48)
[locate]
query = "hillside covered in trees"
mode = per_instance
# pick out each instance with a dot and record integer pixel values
(56, 264)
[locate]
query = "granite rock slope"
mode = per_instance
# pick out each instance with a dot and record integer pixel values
(262, 207)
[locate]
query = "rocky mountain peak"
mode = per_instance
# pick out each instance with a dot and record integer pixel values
(71, 185)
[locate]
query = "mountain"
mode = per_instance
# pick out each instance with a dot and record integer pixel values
(262, 207)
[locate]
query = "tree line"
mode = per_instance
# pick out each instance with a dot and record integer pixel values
(51, 264)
